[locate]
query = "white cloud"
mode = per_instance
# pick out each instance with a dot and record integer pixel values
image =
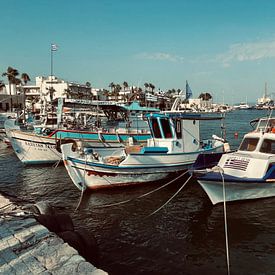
(160, 56)
(247, 52)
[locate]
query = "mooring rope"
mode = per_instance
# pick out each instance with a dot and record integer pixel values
(171, 197)
(82, 186)
(81, 197)
(143, 195)
(225, 223)
(55, 165)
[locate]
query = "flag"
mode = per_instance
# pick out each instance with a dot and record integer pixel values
(54, 47)
(188, 91)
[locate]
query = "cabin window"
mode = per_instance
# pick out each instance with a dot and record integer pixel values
(155, 128)
(268, 146)
(177, 124)
(249, 144)
(165, 124)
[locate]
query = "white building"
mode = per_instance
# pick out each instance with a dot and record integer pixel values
(49, 88)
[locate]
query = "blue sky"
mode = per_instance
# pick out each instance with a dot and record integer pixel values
(223, 47)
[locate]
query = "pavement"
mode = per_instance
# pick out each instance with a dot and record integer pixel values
(27, 247)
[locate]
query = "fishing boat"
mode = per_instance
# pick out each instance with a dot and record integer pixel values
(41, 143)
(173, 148)
(44, 147)
(248, 173)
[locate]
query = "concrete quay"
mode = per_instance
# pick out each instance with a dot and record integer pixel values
(27, 247)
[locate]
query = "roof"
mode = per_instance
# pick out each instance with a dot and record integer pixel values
(184, 116)
(136, 107)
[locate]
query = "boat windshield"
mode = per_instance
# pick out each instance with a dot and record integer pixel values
(165, 124)
(265, 124)
(249, 144)
(268, 146)
(155, 128)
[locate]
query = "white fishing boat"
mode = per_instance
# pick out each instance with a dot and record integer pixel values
(42, 148)
(173, 147)
(248, 173)
(41, 144)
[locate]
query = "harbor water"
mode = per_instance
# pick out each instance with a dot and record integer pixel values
(184, 237)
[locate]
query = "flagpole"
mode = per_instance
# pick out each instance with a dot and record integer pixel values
(51, 60)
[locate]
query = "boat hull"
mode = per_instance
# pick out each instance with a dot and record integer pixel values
(237, 190)
(93, 176)
(37, 149)
(136, 168)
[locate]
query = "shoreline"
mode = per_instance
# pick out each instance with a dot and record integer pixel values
(26, 246)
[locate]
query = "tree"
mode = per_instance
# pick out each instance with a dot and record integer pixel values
(88, 84)
(117, 89)
(12, 74)
(146, 85)
(25, 78)
(112, 86)
(106, 94)
(125, 85)
(152, 87)
(67, 92)
(51, 91)
(205, 96)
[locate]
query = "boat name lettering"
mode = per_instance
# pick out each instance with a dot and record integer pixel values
(33, 144)
(39, 145)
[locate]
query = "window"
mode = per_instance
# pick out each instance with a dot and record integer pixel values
(165, 124)
(177, 122)
(155, 128)
(268, 146)
(249, 144)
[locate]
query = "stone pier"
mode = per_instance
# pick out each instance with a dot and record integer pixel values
(27, 247)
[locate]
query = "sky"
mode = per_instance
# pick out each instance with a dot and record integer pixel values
(226, 48)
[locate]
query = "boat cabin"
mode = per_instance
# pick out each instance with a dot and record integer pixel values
(258, 143)
(178, 133)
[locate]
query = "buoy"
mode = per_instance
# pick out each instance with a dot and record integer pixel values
(236, 135)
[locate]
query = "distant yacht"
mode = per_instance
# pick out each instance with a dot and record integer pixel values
(265, 102)
(241, 106)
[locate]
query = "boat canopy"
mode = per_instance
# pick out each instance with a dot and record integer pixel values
(184, 116)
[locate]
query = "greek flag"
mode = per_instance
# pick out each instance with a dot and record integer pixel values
(188, 91)
(54, 47)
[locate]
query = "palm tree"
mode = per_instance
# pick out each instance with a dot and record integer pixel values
(112, 86)
(25, 78)
(146, 85)
(117, 89)
(205, 96)
(12, 74)
(152, 86)
(106, 94)
(67, 92)
(51, 91)
(125, 85)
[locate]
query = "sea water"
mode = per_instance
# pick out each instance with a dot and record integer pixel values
(184, 237)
